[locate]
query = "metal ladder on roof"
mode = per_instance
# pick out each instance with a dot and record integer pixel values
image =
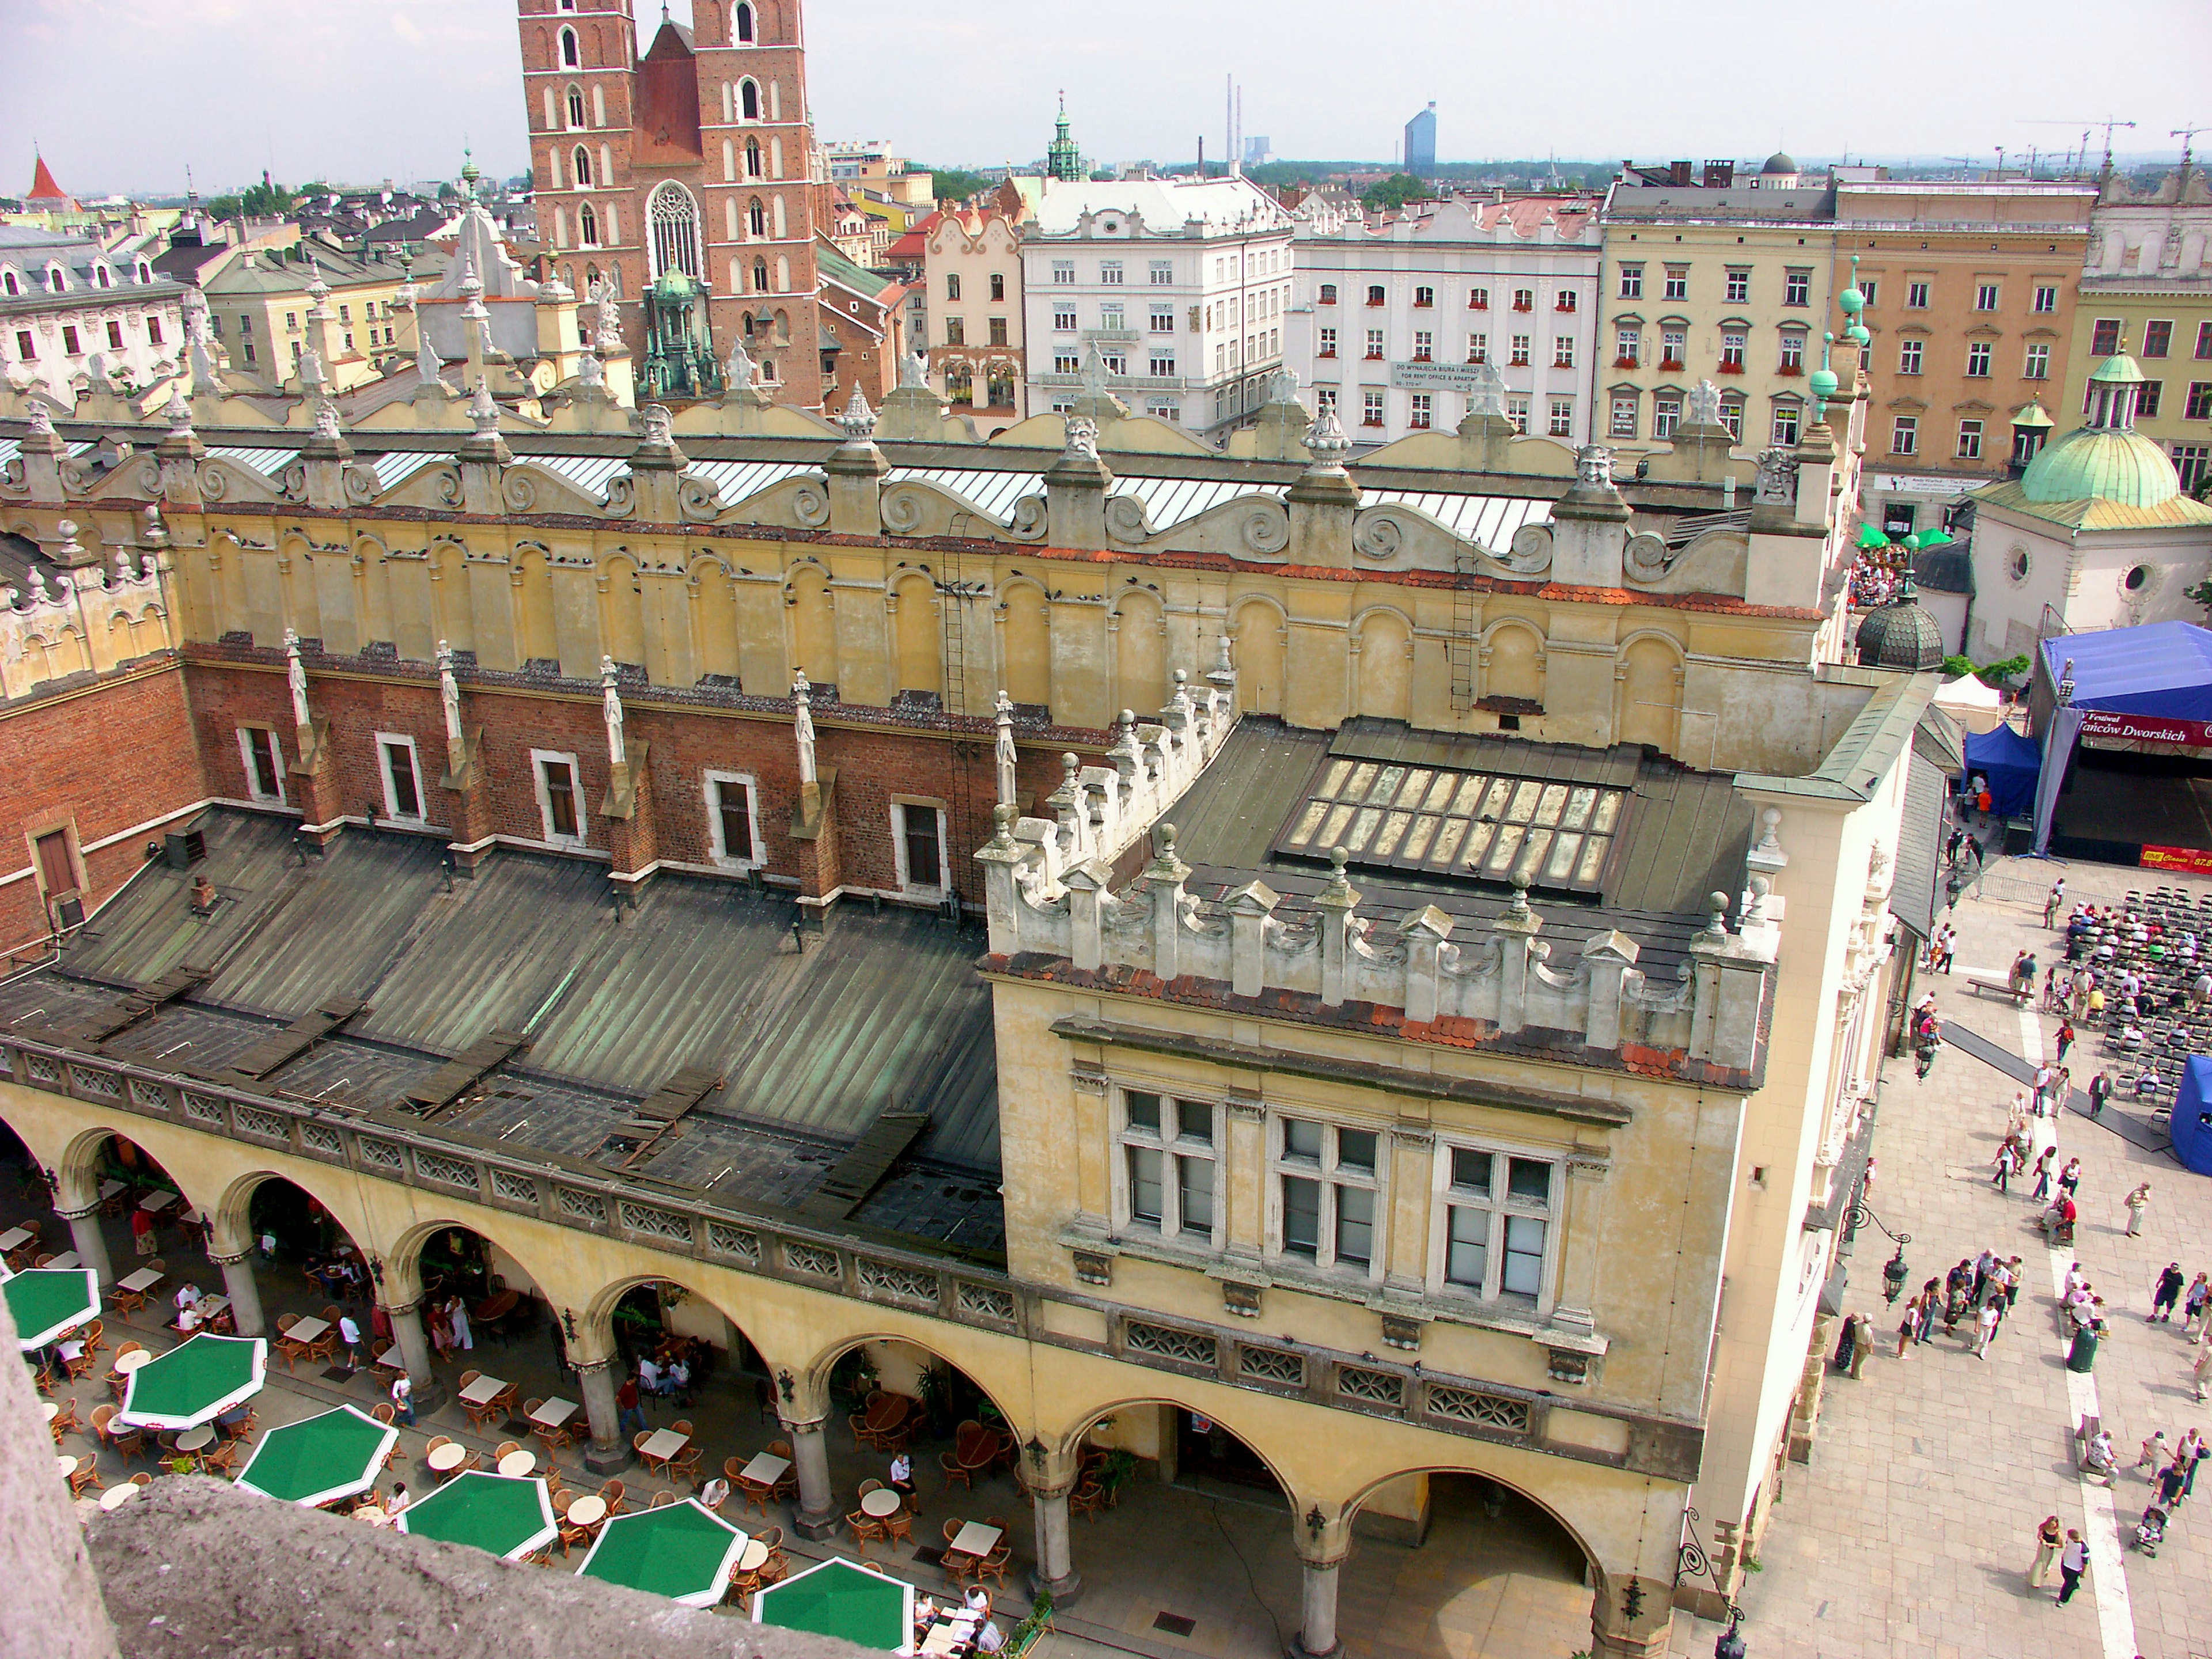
(1461, 646)
(952, 603)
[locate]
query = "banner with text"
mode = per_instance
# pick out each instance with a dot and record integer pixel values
(2145, 728)
(2191, 861)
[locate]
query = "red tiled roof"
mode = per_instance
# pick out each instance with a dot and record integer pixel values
(43, 187)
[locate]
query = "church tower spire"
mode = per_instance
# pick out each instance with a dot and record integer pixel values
(1064, 160)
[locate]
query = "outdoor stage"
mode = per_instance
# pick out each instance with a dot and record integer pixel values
(2115, 804)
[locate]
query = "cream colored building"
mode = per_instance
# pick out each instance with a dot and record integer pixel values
(261, 310)
(972, 270)
(2146, 289)
(1707, 277)
(1373, 1184)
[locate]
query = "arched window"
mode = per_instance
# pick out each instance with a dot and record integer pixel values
(672, 217)
(55, 281)
(587, 226)
(760, 276)
(767, 370)
(99, 275)
(145, 271)
(749, 100)
(571, 56)
(752, 158)
(583, 163)
(575, 109)
(8, 281)
(744, 24)
(782, 320)
(757, 218)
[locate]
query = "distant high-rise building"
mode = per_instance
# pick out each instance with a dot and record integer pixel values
(1258, 152)
(1421, 143)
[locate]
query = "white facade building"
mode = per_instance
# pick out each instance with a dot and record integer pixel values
(1392, 320)
(1182, 287)
(72, 314)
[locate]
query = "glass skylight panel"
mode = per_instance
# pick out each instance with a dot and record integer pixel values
(1473, 825)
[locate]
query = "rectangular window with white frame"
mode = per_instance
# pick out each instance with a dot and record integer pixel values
(918, 846)
(733, 820)
(560, 783)
(1327, 1195)
(1495, 1225)
(399, 765)
(258, 747)
(1167, 1179)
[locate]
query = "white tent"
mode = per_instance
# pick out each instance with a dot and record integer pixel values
(1977, 707)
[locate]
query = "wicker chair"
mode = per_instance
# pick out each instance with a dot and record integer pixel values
(86, 1474)
(612, 1492)
(93, 1334)
(661, 1500)
(866, 1529)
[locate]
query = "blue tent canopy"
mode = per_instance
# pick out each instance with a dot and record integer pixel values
(2160, 668)
(2192, 1116)
(2009, 762)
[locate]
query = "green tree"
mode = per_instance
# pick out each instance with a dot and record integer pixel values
(957, 184)
(1394, 192)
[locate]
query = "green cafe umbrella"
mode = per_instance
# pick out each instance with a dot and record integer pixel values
(48, 1302)
(682, 1551)
(320, 1459)
(494, 1512)
(1871, 537)
(194, 1383)
(839, 1599)
(1922, 540)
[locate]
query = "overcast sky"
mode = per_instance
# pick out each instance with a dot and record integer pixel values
(122, 94)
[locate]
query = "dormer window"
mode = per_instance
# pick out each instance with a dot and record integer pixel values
(145, 271)
(9, 282)
(55, 281)
(99, 276)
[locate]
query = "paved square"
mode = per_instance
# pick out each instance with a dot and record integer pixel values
(1910, 1532)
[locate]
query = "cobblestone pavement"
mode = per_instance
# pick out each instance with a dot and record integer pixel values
(1909, 1533)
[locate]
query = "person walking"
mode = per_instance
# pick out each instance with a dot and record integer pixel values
(2165, 1294)
(2049, 1540)
(2070, 1178)
(1908, 1326)
(2100, 1090)
(2014, 1276)
(1864, 1346)
(2007, 1161)
(2065, 1039)
(458, 1311)
(627, 1406)
(349, 1333)
(2136, 1201)
(403, 1399)
(2072, 1562)
(2042, 1171)
(2194, 1303)
(143, 1238)
(1985, 1324)
(2052, 900)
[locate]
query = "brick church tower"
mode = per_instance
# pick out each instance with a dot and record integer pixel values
(697, 157)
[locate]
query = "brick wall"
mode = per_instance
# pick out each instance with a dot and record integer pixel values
(873, 767)
(96, 761)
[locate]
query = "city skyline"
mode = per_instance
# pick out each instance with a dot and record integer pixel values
(456, 62)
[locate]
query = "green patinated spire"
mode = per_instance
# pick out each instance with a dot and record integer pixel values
(1064, 160)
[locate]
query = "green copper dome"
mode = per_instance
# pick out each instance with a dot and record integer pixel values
(2118, 369)
(2101, 464)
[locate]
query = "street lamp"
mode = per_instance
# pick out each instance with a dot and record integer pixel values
(1894, 1272)
(1730, 1645)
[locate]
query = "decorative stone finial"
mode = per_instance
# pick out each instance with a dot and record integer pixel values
(1717, 906)
(326, 421)
(1519, 909)
(659, 426)
(311, 367)
(1325, 440)
(482, 412)
(1770, 821)
(472, 286)
(123, 573)
(914, 371)
(591, 371)
(154, 532)
(610, 704)
(739, 370)
(296, 676)
(858, 420)
(1704, 403)
(1340, 883)
(178, 413)
(1002, 820)
(317, 289)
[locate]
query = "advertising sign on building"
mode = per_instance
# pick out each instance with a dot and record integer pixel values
(2145, 728)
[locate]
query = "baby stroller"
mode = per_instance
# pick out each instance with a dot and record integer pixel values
(2150, 1531)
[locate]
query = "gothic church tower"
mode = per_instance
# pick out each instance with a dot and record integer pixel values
(697, 157)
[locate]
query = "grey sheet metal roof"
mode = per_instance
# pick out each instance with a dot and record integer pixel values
(1686, 835)
(877, 1012)
(396, 466)
(738, 481)
(1920, 835)
(1169, 502)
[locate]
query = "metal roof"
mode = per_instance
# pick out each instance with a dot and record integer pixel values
(738, 481)
(877, 1013)
(589, 473)
(1169, 501)
(1487, 520)
(396, 466)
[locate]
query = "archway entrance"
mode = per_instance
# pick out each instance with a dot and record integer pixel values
(27, 1216)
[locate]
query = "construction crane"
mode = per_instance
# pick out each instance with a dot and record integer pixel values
(2188, 137)
(2087, 126)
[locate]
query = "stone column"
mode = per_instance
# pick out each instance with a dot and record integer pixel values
(1052, 1477)
(89, 1242)
(609, 1453)
(238, 1283)
(1322, 1550)
(817, 1515)
(414, 1345)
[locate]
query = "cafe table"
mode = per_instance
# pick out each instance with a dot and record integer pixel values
(484, 1391)
(444, 1460)
(193, 1441)
(519, 1465)
(661, 1445)
(880, 1503)
(127, 1362)
(140, 1282)
(552, 1413)
(975, 1539)
(116, 1496)
(15, 1239)
(767, 1468)
(588, 1510)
